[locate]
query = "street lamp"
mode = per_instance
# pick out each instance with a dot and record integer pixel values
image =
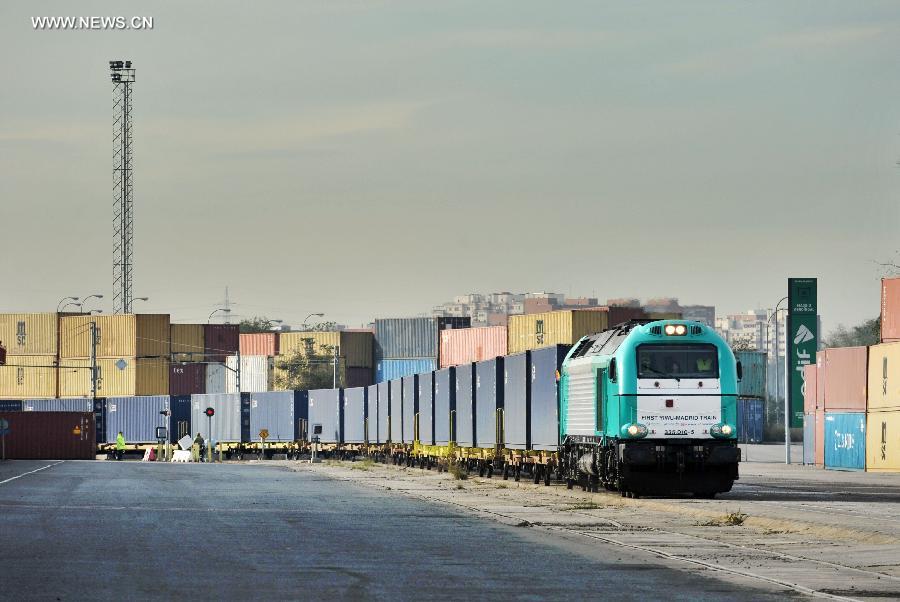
(222, 309)
(85, 300)
(787, 419)
(309, 316)
(70, 303)
(141, 299)
(65, 299)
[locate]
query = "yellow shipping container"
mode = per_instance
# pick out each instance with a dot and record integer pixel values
(123, 335)
(30, 334)
(136, 376)
(187, 339)
(533, 331)
(884, 377)
(27, 376)
(355, 347)
(883, 441)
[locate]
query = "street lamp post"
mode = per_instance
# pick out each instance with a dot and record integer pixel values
(787, 418)
(68, 304)
(86, 299)
(309, 316)
(215, 311)
(58, 310)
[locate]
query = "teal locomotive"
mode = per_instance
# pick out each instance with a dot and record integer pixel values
(650, 408)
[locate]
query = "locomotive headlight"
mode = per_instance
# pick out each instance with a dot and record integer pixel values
(635, 430)
(678, 330)
(721, 431)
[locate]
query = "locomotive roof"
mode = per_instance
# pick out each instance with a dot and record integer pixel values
(607, 341)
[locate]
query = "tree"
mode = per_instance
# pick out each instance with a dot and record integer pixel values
(256, 324)
(867, 333)
(306, 368)
(320, 327)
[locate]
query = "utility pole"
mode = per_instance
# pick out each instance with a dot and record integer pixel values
(237, 374)
(787, 384)
(334, 369)
(93, 360)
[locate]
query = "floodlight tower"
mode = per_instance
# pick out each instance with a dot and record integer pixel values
(122, 75)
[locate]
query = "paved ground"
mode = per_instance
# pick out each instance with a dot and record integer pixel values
(131, 530)
(828, 534)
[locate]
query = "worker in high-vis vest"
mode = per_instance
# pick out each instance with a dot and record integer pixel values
(704, 364)
(120, 446)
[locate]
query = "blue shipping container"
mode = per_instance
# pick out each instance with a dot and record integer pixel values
(809, 439)
(751, 415)
(274, 412)
(543, 412)
(464, 435)
(325, 407)
(384, 412)
(396, 410)
(488, 400)
(516, 391)
(392, 369)
(444, 405)
(845, 440)
(10, 405)
(753, 381)
(410, 407)
(72, 404)
(136, 417)
(355, 415)
(372, 413)
(426, 408)
(411, 337)
(180, 420)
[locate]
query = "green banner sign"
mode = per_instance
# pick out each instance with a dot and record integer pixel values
(802, 341)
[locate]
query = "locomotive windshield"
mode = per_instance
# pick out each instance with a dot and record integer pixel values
(678, 361)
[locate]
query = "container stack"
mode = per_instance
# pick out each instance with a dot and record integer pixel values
(464, 345)
(256, 373)
(883, 418)
(844, 396)
(535, 331)
(32, 346)
(407, 346)
(354, 350)
(751, 408)
(187, 374)
(132, 355)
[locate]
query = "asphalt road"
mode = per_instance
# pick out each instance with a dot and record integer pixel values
(130, 530)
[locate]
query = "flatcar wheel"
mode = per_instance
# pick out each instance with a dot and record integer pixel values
(547, 476)
(536, 474)
(489, 470)
(518, 473)
(622, 492)
(505, 471)
(570, 483)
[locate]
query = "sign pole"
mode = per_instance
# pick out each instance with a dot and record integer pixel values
(787, 388)
(801, 343)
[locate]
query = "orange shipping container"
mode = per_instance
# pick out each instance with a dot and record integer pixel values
(809, 388)
(464, 345)
(846, 378)
(259, 343)
(890, 309)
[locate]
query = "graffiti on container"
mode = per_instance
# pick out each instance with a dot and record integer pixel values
(883, 440)
(884, 376)
(843, 440)
(20, 333)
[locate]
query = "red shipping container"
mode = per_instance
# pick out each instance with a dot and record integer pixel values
(259, 343)
(890, 309)
(809, 388)
(820, 438)
(846, 378)
(464, 345)
(222, 340)
(50, 435)
(187, 379)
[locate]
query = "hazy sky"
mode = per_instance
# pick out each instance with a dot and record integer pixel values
(373, 159)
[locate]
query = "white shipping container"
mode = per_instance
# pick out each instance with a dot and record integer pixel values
(215, 378)
(256, 373)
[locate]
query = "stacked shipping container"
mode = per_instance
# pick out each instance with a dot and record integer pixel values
(354, 349)
(406, 346)
(751, 396)
(883, 419)
(463, 345)
(32, 346)
(845, 383)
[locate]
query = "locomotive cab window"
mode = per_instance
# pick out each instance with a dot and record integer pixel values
(678, 361)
